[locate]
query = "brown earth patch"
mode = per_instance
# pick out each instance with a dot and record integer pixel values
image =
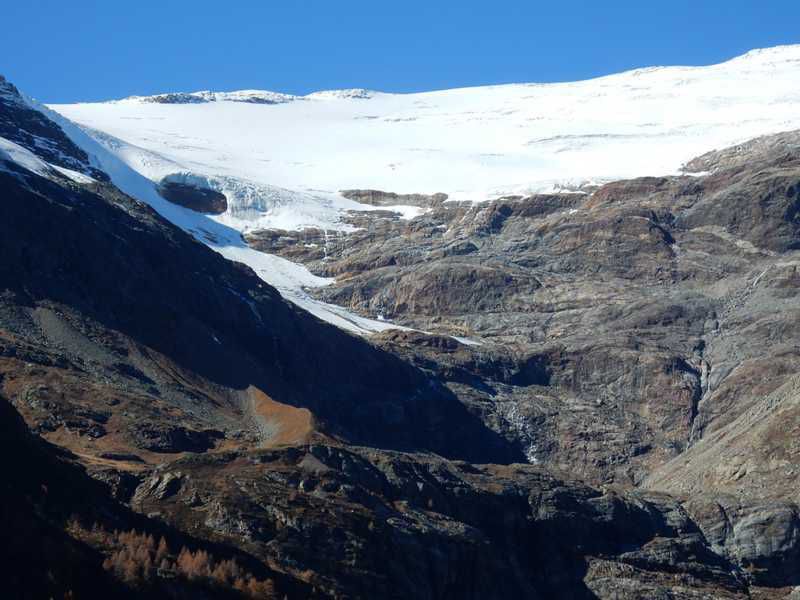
(282, 424)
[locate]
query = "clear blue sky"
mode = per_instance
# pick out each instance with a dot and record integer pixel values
(71, 50)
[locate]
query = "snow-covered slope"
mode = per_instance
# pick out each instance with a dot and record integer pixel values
(470, 143)
(280, 160)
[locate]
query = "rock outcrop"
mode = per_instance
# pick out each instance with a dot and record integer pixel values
(380, 198)
(198, 199)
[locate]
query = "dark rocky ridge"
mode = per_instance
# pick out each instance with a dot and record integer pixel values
(250, 97)
(32, 522)
(29, 128)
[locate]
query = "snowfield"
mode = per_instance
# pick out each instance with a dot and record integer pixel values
(281, 160)
(471, 143)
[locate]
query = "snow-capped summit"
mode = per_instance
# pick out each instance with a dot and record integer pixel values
(251, 96)
(348, 94)
(787, 53)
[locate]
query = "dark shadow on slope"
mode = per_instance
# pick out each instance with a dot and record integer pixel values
(42, 490)
(117, 262)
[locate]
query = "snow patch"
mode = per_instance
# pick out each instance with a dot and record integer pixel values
(11, 152)
(75, 176)
(466, 341)
(22, 157)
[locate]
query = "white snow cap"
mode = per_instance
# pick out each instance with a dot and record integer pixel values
(471, 143)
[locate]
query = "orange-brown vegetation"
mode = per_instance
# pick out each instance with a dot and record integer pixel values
(139, 561)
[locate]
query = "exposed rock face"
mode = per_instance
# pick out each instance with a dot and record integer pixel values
(175, 98)
(249, 96)
(741, 481)
(768, 148)
(336, 515)
(763, 538)
(753, 457)
(198, 199)
(658, 308)
(379, 198)
(373, 524)
(170, 438)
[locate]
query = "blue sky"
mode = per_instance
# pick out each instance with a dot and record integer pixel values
(65, 51)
